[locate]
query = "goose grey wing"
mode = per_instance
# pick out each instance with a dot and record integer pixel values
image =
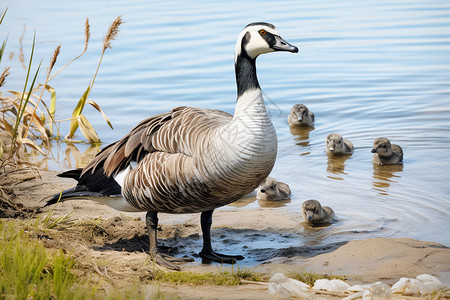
(176, 131)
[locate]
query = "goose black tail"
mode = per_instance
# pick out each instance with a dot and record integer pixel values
(74, 174)
(94, 185)
(75, 192)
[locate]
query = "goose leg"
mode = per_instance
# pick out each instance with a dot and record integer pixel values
(207, 251)
(162, 259)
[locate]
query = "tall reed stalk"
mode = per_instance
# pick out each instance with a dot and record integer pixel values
(19, 112)
(78, 118)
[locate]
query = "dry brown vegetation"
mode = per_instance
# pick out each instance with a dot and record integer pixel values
(28, 117)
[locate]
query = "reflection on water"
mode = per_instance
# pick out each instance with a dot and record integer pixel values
(245, 201)
(75, 159)
(384, 176)
(302, 135)
(273, 204)
(336, 165)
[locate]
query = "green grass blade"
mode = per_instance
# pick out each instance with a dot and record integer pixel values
(52, 108)
(3, 15)
(77, 112)
(2, 49)
(21, 106)
(24, 106)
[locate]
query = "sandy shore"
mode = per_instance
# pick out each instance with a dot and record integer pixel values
(361, 261)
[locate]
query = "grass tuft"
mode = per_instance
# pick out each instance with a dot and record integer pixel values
(29, 272)
(311, 277)
(229, 278)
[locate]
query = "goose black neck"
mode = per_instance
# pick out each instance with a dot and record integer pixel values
(245, 74)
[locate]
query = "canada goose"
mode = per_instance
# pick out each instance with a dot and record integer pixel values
(190, 159)
(272, 190)
(300, 116)
(336, 145)
(386, 153)
(314, 213)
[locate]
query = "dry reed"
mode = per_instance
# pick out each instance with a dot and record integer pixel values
(112, 33)
(3, 76)
(87, 35)
(53, 60)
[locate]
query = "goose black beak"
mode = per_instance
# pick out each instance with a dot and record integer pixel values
(282, 45)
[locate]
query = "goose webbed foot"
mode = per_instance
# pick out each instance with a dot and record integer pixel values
(161, 258)
(211, 255)
(167, 261)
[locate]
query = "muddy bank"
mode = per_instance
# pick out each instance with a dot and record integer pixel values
(113, 245)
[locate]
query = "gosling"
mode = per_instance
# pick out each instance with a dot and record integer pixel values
(336, 145)
(386, 153)
(314, 213)
(300, 116)
(272, 190)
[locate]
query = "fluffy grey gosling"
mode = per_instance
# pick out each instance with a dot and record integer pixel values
(300, 116)
(272, 190)
(314, 213)
(386, 153)
(336, 145)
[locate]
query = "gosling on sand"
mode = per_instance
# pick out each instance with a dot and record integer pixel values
(314, 213)
(336, 145)
(272, 190)
(300, 116)
(386, 153)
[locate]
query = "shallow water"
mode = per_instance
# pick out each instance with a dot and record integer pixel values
(366, 69)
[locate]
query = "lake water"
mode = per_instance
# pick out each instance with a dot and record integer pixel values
(365, 68)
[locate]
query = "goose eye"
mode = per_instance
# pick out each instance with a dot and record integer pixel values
(262, 32)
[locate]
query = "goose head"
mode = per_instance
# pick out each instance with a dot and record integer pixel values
(259, 38)
(382, 146)
(300, 115)
(311, 209)
(335, 143)
(255, 39)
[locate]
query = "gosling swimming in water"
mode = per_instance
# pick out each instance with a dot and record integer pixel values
(314, 213)
(336, 145)
(300, 116)
(386, 153)
(272, 190)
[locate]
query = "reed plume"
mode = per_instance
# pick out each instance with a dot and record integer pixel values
(87, 35)
(3, 76)
(112, 33)
(53, 60)
(49, 70)
(78, 119)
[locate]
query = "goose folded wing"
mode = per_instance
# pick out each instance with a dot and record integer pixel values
(177, 131)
